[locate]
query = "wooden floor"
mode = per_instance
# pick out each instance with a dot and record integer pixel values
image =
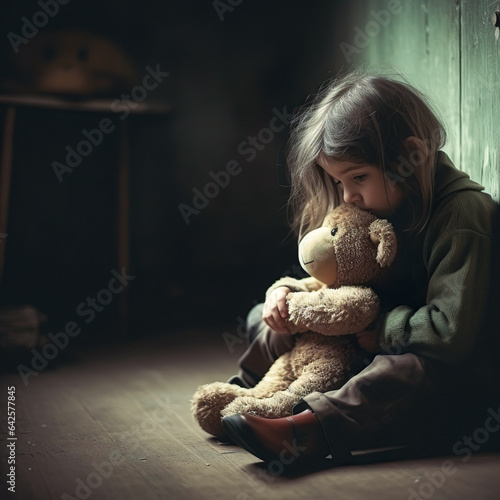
(115, 424)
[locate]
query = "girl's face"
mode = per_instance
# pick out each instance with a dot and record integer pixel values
(364, 185)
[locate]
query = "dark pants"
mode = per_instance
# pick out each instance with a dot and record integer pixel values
(393, 399)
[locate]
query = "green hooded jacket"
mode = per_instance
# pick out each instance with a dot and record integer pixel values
(437, 303)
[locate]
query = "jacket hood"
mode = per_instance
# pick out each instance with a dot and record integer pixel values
(448, 179)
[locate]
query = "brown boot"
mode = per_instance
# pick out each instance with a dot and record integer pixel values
(288, 439)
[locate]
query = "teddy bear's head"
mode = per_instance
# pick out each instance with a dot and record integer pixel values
(352, 247)
(70, 62)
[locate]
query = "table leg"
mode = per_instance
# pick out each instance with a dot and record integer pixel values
(5, 174)
(123, 220)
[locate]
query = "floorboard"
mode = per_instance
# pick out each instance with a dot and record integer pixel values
(114, 423)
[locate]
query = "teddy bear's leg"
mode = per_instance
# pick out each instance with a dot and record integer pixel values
(209, 400)
(316, 376)
(277, 379)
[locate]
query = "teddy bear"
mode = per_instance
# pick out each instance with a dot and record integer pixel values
(71, 63)
(345, 257)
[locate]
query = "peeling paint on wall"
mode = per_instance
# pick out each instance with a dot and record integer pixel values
(450, 50)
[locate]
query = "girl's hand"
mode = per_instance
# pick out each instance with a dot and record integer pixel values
(367, 341)
(275, 312)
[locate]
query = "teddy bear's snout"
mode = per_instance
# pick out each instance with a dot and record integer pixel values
(317, 255)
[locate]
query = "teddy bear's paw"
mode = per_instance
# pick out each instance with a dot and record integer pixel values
(286, 400)
(267, 407)
(207, 403)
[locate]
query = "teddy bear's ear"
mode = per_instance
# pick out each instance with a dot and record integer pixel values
(383, 236)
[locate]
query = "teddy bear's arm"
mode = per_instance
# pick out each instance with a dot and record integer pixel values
(304, 285)
(340, 311)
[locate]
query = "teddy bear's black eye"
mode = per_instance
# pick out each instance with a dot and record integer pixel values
(334, 231)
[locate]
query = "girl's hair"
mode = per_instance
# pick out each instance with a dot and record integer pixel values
(365, 118)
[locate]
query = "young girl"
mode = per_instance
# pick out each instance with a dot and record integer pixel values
(374, 142)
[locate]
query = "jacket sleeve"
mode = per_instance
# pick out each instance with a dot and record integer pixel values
(457, 253)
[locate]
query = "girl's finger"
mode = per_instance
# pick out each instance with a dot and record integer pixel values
(283, 309)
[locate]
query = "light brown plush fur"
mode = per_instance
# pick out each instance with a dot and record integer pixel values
(344, 257)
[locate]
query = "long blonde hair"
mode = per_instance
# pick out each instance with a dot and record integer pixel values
(362, 117)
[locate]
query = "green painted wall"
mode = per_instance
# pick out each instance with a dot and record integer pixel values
(449, 49)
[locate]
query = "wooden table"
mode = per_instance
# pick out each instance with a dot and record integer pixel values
(11, 102)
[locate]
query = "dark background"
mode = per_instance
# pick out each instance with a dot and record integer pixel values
(225, 79)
